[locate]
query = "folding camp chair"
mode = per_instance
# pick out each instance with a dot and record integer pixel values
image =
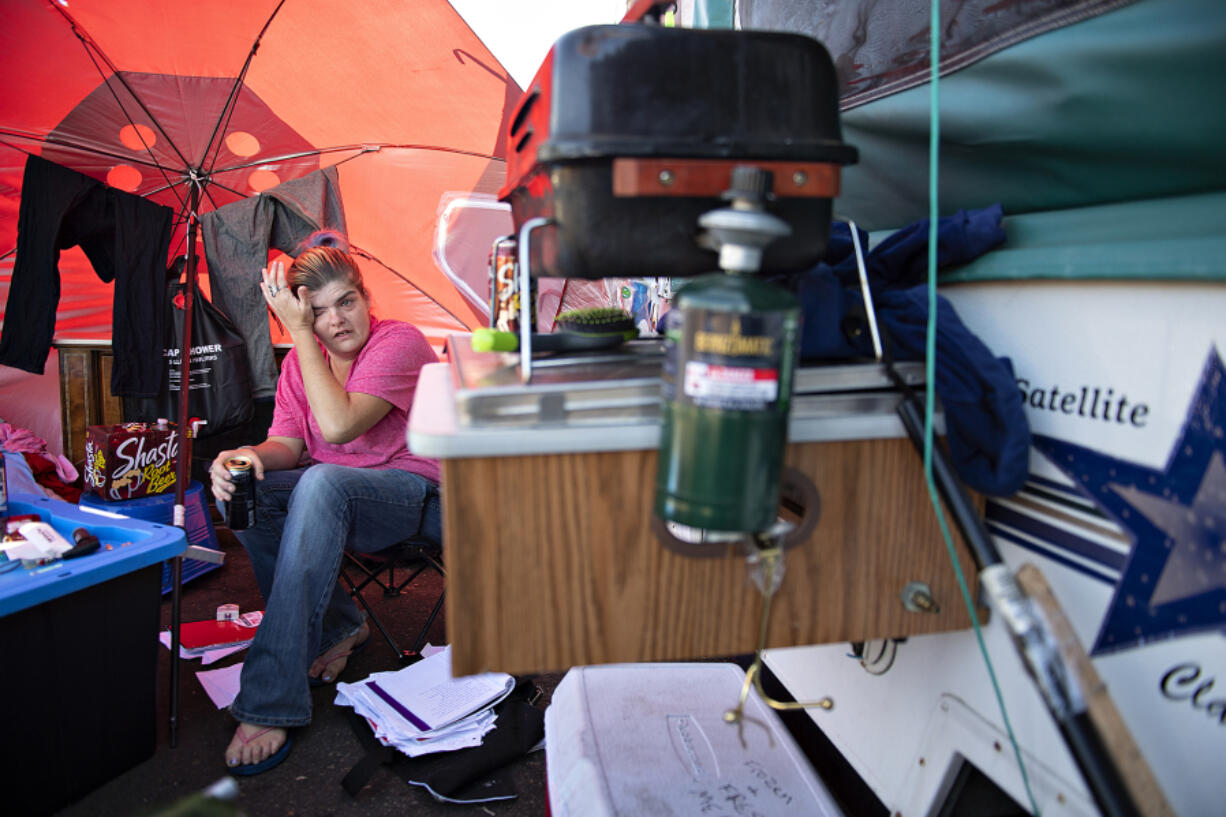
(412, 557)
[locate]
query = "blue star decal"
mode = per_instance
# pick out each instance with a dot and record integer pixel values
(1175, 580)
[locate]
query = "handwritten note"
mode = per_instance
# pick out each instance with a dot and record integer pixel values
(744, 799)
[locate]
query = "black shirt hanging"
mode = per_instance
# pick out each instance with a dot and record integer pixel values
(125, 237)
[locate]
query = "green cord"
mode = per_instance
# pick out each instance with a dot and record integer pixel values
(934, 138)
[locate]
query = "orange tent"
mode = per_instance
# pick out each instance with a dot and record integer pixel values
(402, 98)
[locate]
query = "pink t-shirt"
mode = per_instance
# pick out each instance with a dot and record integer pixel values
(386, 367)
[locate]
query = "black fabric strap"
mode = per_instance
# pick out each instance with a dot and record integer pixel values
(473, 774)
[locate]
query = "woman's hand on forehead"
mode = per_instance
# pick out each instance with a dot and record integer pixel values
(292, 309)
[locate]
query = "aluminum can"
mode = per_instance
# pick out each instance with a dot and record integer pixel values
(240, 512)
(504, 286)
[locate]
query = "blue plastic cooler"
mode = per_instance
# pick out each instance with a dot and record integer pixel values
(135, 544)
(81, 650)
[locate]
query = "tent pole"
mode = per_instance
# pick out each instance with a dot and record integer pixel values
(184, 466)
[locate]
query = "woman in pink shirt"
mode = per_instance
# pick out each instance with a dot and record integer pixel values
(343, 399)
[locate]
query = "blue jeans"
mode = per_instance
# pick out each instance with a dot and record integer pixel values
(306, 519)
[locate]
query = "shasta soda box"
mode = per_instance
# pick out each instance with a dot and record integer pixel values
(130, 460)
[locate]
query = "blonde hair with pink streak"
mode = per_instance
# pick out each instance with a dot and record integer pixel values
(324, 258)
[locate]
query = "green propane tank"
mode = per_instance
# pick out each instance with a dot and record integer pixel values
(730, 360)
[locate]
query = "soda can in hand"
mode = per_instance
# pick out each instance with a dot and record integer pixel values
(240, 512)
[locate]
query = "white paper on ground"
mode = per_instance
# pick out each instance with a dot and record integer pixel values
(212, 656)
(221, 684)
(392, 730)
(427, 695)
(457, 712)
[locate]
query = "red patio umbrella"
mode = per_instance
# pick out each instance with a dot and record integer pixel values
(402, 97)
(197, 105)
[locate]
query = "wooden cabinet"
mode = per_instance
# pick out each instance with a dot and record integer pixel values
(551, 562)
(85, 395)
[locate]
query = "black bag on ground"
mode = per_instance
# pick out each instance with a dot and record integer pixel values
(220, 382)
(478, 774)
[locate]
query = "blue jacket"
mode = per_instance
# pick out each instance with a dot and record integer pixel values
(986, 427)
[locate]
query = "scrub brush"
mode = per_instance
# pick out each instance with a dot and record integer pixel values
(598, 320)
(577, 330)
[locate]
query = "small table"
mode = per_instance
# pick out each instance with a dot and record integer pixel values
(552, 562)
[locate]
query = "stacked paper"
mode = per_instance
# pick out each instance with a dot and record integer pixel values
(422, 708)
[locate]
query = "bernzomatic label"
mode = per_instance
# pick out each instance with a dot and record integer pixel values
(1101, 403)
(739, 384)
(731, 360)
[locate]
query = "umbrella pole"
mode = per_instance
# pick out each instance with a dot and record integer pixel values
(184, 466)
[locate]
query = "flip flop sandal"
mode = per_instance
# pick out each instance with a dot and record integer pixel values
(247, 769)
(354, 650)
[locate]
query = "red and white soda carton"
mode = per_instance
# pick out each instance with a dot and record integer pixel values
(131, 460)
